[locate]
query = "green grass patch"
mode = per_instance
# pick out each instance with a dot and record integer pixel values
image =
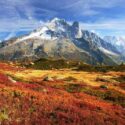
(4, 115)
(120, 79)
(109, 95)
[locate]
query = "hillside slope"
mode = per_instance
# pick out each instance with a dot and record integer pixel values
(61, 97)
(58, 39)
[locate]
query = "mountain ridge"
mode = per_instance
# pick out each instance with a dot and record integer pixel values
(59, 39)
(118, 42)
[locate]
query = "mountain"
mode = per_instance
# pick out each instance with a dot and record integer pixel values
(118, 42)
(59, 39)
(105, 47)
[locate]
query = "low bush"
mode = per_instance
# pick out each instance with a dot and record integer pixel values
(73, 87)
(109, 95)
(103, 87)
(70, 78)
(3, 115)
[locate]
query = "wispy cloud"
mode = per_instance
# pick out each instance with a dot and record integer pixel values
(18, 15)
(10, 35)
(105, 24)
(19, 25)
(114, 27)
(43, 12)
(94, 3)
(26, 15)
(90, 7)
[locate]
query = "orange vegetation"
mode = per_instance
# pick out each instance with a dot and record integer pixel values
(49, 103)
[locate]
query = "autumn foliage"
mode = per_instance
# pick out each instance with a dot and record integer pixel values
(51, 103)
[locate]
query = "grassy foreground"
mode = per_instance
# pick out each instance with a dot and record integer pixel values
(61, 96)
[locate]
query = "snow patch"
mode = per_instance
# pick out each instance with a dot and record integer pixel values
(107, 51)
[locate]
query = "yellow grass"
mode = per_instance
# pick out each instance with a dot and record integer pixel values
(85, 77)
(89, 78)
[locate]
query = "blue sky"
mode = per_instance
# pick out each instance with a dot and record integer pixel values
(105, 17)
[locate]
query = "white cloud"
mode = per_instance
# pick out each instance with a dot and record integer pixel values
(12, 34)
(43, 12)
(94, 3)
(90, 7)
(18, 15)
(14, 10)
(105, 24)
(19, 25)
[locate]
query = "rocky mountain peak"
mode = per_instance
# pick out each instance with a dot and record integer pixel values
(57, 20)
(75, 24)
(60, 39)
(76, 30)
(117, 41)
(57, 24)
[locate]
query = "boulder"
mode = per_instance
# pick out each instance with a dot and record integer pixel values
(48, 78)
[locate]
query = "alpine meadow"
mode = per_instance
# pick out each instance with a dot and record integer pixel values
(62, 62)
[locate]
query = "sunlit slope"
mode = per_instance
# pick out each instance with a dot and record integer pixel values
(50, 97)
